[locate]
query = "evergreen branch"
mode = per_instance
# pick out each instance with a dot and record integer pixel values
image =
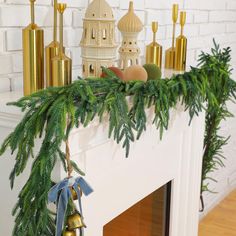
(52, 113)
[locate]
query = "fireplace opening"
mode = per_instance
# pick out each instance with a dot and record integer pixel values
(148, 217)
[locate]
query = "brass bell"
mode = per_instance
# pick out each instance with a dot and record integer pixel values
(68, 232)
(74, 194)
(75, 221)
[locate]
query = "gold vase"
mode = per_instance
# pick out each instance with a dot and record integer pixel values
(181, 46)
(170, 53)
(52, 49)
(154, 50)
(33, 56)
(61, 64)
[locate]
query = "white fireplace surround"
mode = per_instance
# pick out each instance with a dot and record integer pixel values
(121, 182)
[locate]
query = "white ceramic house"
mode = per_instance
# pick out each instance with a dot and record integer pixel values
(130, 26)
(98, 46)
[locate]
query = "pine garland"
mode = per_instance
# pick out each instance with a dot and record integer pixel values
(47, 113)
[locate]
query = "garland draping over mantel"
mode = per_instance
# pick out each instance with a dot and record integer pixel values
(52, 113)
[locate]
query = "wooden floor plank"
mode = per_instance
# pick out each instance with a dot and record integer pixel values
(221, 221)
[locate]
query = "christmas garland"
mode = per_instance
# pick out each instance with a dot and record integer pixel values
(52, 113)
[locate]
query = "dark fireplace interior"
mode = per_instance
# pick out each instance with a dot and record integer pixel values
(148, 217)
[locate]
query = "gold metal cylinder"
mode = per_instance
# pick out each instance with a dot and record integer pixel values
(181, 53)
(181, 46)
(61, 64)
(52, 49)
(33, 56)
(154, 50)
(61, 70)
(170, 53)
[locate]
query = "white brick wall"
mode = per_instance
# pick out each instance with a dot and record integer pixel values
(205, 19)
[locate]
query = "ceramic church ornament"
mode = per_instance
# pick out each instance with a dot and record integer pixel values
(98, 46)
(130, 26)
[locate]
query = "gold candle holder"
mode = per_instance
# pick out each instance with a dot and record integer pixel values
(52, 49)
(154, 50)
(61, 64)
(33, 56)
(170, 53)
(181, 46)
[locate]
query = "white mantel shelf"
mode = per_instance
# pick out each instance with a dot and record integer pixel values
(9, 115)
(120, 182)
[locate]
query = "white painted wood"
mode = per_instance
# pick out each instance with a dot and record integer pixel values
(120, 182)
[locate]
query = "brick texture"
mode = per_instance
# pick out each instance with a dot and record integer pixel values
(205, 20)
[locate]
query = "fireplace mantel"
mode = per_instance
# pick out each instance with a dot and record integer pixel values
(120, 182)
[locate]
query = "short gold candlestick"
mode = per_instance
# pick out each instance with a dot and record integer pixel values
(52, 49)
(154, 50)
(61, 64)
(181, 46)
(33, 56)
(170, 53)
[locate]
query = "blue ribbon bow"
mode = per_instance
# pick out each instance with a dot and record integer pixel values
(61, 192)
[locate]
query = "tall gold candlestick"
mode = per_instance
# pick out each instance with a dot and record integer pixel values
(181, 46)
(154, 50)
(33, 55)
(52, 49)
(61, 64)
(170, 53)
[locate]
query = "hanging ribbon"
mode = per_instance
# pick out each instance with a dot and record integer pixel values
(60, 194)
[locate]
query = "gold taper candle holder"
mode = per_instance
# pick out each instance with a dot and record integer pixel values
(154, 50)
(52, 49)
(170, 53)
(33, 56)
(181, 46)
(61, 64)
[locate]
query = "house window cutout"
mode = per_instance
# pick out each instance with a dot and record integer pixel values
(91, 69)
(104, 34)
(93, 35)
(122, 65)
(130, 63)
(83, 68)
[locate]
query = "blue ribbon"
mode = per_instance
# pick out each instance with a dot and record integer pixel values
(60, 194)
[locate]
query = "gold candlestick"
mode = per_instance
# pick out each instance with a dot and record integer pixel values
(181, 46)
(33, 56)
(52, 49)
(61, 64)
(170, 53)
(154, 50)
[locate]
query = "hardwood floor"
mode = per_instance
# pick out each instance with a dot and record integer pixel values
(221, 221)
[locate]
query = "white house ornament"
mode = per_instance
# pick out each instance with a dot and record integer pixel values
(129, 25)
(98, 45)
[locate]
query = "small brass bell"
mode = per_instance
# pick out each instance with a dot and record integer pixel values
(74, 194)
(75, 221)
(68, 232)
